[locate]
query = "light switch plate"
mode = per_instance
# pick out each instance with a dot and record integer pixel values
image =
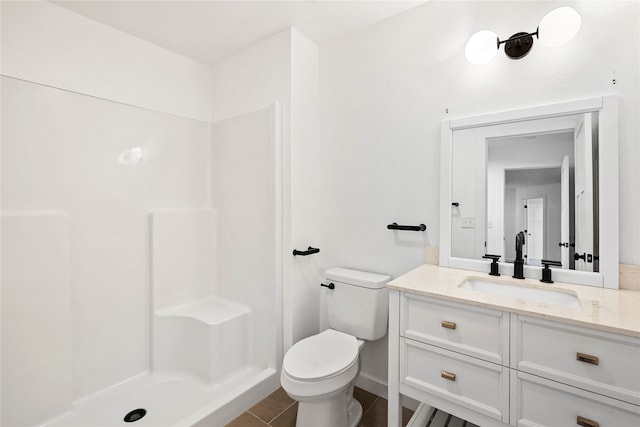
(468, 222)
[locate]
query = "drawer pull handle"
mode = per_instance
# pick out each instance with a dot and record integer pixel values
(448, 375)
(448, 325)
(587, 358)
(586, 422)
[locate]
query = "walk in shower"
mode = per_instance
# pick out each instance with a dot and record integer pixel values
(141, 275)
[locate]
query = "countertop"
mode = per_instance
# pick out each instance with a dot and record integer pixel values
(609, 310)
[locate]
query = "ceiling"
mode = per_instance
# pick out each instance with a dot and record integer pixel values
(211, 30)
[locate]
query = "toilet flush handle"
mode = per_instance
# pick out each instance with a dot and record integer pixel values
(330, 285)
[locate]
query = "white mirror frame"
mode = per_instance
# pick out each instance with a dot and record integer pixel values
(607, 109)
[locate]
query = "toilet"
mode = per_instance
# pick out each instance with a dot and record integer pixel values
(320, 371)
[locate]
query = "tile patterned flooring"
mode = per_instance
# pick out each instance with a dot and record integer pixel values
(279, 410)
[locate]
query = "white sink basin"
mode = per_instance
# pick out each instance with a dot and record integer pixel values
(522, 291)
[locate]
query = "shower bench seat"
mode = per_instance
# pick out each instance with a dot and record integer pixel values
(205, 337)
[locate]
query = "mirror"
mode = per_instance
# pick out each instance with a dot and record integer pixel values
(538, 171)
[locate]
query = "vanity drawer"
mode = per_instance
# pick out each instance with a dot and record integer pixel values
(601, 362)
(474, 384)
(541, 402)
(474, 331)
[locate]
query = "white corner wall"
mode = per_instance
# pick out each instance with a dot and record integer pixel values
(305, 206)
(283, 68)
(385, 89)
(253, 79)
(244, 176)
(50, 45)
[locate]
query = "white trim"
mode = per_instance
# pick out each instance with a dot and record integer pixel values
(446, 139)
(530, 113)
(276, 135)
(609, 231)
(394, 413)
(372, 385)
(380, 389)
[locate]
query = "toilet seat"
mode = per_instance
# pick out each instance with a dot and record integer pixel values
(322, 356)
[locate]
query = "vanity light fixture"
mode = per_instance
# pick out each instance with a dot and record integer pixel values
(556, 28)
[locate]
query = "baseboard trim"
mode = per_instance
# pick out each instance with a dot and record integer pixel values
(372, 385)
(379, 388)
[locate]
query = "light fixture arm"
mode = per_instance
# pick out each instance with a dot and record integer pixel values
(518, 36)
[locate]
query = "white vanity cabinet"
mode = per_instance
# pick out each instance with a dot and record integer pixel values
(538, 401)
(452, 356)
(566, 375)
(474, 331)
(497, 368)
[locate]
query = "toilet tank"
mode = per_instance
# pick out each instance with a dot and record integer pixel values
(358, 304)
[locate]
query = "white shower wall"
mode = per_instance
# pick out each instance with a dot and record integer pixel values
(79, 101)
(244, 175)
(39, 350)
(102, 129)
(61, 152)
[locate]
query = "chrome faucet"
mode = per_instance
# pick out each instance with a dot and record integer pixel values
(519, 261)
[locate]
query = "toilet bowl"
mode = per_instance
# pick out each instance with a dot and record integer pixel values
(319, 372)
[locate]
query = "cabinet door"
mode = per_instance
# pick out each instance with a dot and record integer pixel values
(475, 331)
(472, 383)
(593, 360)
(540, 402)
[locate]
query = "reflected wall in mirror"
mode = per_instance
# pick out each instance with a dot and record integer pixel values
(538, 171)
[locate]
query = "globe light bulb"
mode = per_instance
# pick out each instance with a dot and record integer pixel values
(559, 26)
(481, 47)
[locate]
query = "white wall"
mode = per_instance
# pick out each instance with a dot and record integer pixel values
(283, 68)
(45, 43)
(384, 91)
(305, 181)
(254, 78)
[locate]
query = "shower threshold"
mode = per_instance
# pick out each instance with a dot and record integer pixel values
(168, 399)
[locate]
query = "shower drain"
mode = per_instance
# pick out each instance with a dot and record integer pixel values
(135, 415)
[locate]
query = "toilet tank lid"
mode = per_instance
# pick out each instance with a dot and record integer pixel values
(356, 277)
